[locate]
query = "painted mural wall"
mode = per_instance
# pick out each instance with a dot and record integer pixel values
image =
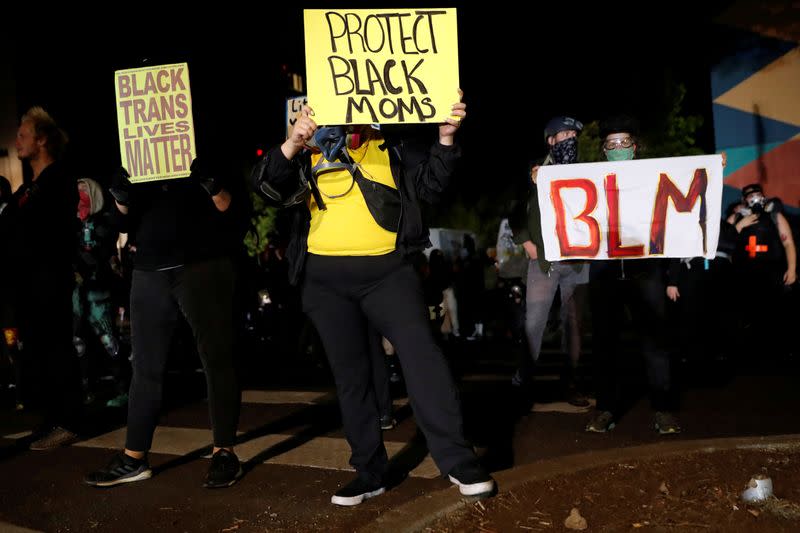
(755, 88)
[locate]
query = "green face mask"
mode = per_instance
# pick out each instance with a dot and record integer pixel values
(620, 154)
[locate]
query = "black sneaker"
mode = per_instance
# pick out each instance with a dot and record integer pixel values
(357, 491)
(472, 480)
(520, 378)
(601, 422)
(55, 438)
(225, 470)
(122, 469)
(388, 422)
(573, 395)
(577, 399)
(666, 423)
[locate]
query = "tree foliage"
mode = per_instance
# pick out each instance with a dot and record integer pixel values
(263, 221)
(673, 134)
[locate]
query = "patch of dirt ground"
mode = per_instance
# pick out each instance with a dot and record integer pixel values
(690, 492)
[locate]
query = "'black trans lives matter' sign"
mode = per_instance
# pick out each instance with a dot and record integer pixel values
(381, 65)
(154, 116)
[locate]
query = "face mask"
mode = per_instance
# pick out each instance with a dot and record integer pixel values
(84, 205)
(756, 200)
(620, 154)
(566, 151)
(330, 140)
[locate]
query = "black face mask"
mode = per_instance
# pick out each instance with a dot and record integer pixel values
(566, 151)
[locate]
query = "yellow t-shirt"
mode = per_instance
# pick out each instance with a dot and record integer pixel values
(346, 227)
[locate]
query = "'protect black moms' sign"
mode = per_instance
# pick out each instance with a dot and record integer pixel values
(383, 66)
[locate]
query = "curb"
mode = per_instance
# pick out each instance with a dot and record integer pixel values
(5, 527)
(415, 515)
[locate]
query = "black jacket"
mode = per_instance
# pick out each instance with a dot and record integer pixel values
(725, 250)
(175, 222)
(42, 223)
(528, 226)
(419, 176)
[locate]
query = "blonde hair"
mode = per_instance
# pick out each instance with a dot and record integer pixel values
(44, 126)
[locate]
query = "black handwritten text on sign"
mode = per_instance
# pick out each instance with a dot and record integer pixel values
(381, 66)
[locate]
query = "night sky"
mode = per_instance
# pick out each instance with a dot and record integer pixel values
(518, 68)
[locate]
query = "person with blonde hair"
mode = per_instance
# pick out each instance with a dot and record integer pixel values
(42, 246)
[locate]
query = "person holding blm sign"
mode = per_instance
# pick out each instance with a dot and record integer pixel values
(184, 230)
(544, 277)
(640, 284)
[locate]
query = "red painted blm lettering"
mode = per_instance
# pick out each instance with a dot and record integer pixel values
(667, 193)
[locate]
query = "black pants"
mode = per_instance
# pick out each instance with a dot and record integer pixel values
(380, 373)
(203, 293)
(342, 295)
(761, 306)
(51, 367)
(704, 313)
(646, 299)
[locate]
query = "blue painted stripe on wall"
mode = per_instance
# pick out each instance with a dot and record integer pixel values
(734, 129)
(744, 155)
(730, 195)
(748, 53)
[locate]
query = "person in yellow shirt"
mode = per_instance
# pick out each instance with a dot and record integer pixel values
(356, 218)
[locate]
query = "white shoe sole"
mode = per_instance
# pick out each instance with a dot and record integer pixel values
(592, 429)
(473, 489)
(355, 500)
(147, 474)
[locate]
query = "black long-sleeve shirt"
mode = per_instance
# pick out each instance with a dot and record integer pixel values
(41, 229)
(175, 222)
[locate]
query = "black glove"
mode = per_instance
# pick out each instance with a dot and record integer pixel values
(206, 177)
(120, 186)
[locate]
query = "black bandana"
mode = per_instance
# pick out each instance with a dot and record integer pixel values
(566, 151)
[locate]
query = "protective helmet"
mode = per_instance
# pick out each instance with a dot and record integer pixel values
(558, 124)
(750, 189)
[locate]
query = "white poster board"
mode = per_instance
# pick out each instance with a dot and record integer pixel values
(667, 207)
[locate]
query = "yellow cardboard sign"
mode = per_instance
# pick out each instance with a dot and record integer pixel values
(154, 116)
(383, 66)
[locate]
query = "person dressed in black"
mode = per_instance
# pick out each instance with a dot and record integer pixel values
(703, 307)
(184, 234)
(357, 219)
(765, 266)
(641, 285)
(42, 246)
